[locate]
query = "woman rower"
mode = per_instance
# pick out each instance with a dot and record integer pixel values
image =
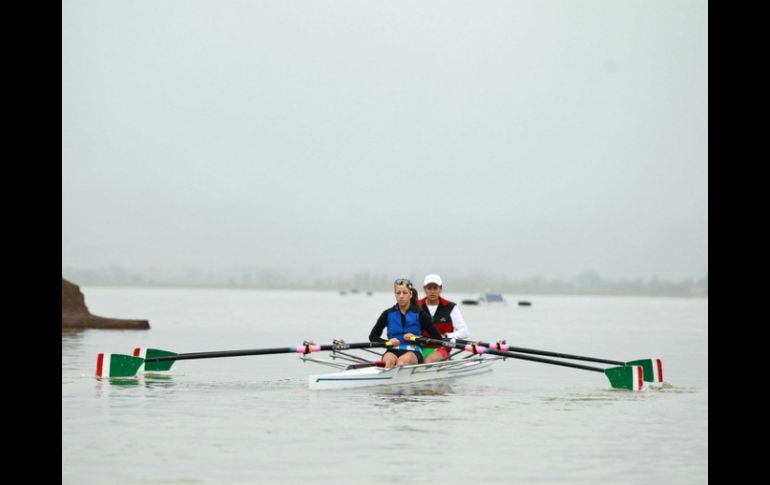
(403, 320)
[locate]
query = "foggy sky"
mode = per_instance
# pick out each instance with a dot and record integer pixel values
(514, 137)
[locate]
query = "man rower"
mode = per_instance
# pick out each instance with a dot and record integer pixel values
(446, 317)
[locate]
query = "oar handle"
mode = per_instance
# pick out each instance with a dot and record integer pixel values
(480, 349)
(506, 347)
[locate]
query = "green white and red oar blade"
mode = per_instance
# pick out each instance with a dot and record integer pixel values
(117, 365)
(154, 366)
(629, 377)
(653, 369)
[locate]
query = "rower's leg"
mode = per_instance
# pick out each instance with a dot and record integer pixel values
(390, 359)
(407, 359)
(434, 356)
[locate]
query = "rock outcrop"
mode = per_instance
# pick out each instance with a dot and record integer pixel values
(75, 314)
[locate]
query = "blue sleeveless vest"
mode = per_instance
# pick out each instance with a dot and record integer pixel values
(395, 328)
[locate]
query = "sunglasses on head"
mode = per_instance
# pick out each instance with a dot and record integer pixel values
(403, 281)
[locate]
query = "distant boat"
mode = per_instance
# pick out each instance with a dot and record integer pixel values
(486, 297)
(369, 293)
(524, 303)
(492, 298)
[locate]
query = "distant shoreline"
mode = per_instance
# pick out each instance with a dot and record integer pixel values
(505, 293)
(588, 283)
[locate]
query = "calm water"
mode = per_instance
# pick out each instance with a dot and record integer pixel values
(253, 420)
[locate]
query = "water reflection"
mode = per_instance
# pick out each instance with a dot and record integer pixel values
(414, 393)
(609, 397)
(71, 338)
(158, 381)
(72, 342)
(148, 381)
(103, 384)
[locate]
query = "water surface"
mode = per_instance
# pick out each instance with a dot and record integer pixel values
(253, 419)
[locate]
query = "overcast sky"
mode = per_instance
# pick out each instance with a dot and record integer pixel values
(512, 137)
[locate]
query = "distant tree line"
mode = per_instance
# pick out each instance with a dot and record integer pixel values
(587, 283)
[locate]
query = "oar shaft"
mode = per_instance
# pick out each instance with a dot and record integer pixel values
(302, 349)
(547, 353)
(486, 350)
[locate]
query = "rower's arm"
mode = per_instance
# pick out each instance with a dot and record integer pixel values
(376, 334)
(427, 325)
(461, 328)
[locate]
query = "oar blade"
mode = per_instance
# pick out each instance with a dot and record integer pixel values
(653, 369)
(630, 377)
(147, 353)
(117, 365)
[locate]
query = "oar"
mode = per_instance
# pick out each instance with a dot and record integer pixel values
(121, 365)
(653, 368)
(625, 377)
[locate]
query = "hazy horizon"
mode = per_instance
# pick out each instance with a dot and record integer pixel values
(513, 138)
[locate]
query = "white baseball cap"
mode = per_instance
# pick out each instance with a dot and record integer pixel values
(432, 278)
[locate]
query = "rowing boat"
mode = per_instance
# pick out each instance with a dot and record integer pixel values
(401, 374)
(366, 374)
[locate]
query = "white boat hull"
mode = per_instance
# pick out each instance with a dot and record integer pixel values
(379, 376)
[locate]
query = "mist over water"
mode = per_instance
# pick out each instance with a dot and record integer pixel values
(325, 139)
